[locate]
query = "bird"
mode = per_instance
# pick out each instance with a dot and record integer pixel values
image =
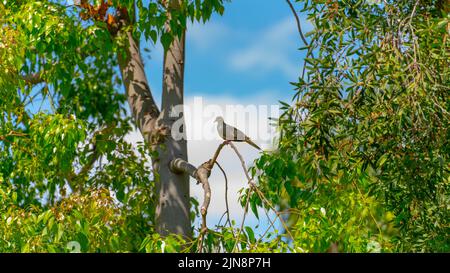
(230, 133)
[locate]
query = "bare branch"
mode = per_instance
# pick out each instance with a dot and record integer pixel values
(264, 199)
(216, 154)
(260, 194)
(179, 166)
(302, 36)
(413, 11)
(247, 202)
(271, 226)
(299, 26)
(227, 212)
(201, 174)
(251, 188)
(250, 181)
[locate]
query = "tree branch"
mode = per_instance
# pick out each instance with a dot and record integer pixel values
(253, 187)
(73, 178)
(299, 26)
(12, 134)
(142, 105)
(250, 181)
(227, 212)
(302, 36)
(201, 174)
(216, 154)
(33, 78)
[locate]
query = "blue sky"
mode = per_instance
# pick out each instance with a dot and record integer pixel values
(249, 51)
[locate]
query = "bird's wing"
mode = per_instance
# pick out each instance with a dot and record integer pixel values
(228, 132)
(232, 133)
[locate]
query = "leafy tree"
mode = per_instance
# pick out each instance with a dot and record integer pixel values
(363, 156)
(67, 72)
(361, 165)
(68, 179)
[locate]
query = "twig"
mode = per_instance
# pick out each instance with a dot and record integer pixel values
(227, 212)
(433, 99)
(216, 154)
(264, 199)
(220, 220)
(33, 78)
(413, 36)
(272, 225)
(252, 186)
(13, 133)
(299, 26)
(413, 12)
(300, 31)
(250, 181)
(237, 237)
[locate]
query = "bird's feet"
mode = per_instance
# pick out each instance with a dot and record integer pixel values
(226, 142)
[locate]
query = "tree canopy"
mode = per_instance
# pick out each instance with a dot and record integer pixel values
(367, 138)
(362, 163)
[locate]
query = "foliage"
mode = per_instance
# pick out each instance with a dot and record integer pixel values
(92, 222)
(367, 138)
(67, 172)
(362, 161)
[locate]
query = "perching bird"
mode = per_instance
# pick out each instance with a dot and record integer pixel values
(231, 133)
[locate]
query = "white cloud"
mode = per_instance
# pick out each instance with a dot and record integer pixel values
(271, 50)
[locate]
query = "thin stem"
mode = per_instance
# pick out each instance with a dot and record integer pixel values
(299, 26)
(227, 212)
(237, 238)
(302, 36)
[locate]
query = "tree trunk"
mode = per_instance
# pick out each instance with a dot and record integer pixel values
(172, 212)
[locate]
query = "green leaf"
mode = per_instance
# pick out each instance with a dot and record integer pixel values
(250, 234)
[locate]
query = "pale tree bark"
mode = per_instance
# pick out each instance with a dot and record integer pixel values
(172, 211)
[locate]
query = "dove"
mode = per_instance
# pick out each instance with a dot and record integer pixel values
(231, 133)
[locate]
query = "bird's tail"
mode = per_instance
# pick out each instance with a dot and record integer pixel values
(249, 141)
